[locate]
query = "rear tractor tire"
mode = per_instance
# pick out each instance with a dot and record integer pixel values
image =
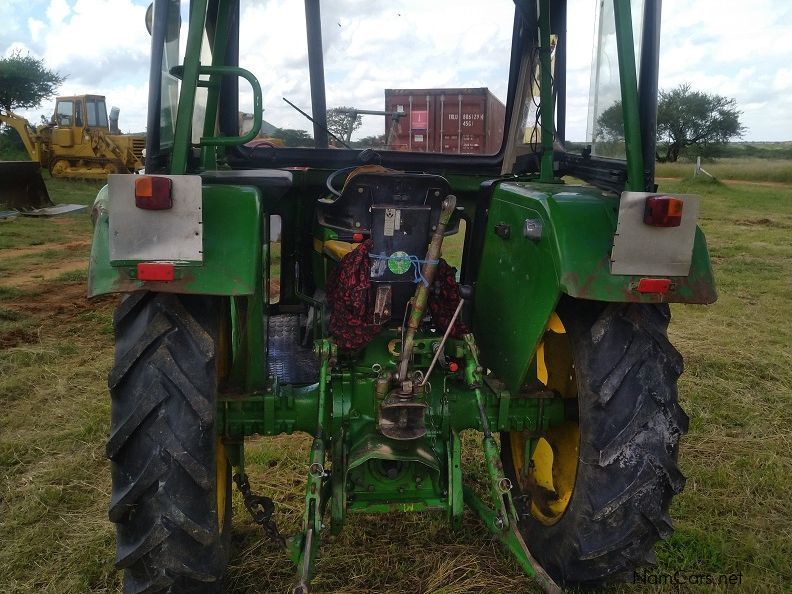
(171, 498)
(593, 494)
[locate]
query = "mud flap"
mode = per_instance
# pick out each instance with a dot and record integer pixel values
(22, 187)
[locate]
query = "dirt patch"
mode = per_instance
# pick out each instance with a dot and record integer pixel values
(26, 280)
(767, 184)
(15, 338)
(763, 222)
(59, 299)
(10, 253)
(274, 290)
(60, 304)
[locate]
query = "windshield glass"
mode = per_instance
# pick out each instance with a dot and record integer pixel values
(63, 113)
(406, 75)
(169, 84)
(97, 113)
(606, 121)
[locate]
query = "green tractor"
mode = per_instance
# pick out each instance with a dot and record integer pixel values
(550, 341)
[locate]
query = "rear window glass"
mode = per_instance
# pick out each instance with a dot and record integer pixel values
(434, 73)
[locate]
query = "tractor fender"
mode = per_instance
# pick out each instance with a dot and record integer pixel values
(543, 241)
(232, 248)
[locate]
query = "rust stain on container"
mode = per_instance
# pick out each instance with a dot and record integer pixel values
(457, 121)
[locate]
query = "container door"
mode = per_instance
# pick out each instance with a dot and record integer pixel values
(473, 139)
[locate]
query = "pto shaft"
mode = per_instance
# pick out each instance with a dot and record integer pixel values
(421, 297)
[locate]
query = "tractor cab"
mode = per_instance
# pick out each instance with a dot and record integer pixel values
(83, 111)
(492, 256)
(75, 115)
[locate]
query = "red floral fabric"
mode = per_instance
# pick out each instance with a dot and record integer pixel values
(348, 295)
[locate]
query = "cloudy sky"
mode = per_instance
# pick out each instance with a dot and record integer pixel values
(741, 50)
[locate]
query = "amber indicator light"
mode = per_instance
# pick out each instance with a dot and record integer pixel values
(153, 193)
(663, 211)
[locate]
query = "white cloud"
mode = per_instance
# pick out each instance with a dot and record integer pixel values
(36, 27)
(103, 46)
(57, 11)
(725, 49)
(783, 80)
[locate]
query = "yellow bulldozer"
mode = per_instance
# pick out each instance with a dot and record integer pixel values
(80, 141)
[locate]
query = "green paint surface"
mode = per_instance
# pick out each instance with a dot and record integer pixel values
(231, 245)
(521, 280)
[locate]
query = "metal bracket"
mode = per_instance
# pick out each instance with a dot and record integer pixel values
(503, 519)
(306, 544)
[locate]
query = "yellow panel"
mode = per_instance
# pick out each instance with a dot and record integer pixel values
(338, 249)
(555, 325)
(62, 137)
(543, 465)
(221, 470)
(517, 442)
(541, 365)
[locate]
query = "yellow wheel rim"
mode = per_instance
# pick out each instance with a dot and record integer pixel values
(221, 458)
(221, 466)
(549, 477)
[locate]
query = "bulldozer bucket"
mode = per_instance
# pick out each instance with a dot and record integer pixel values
(22, 187)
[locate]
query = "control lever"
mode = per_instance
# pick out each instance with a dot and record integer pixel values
(466, 295)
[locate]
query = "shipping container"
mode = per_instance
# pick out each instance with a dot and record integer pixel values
(461, 121)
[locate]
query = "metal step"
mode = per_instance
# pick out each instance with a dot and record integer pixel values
(287, 359)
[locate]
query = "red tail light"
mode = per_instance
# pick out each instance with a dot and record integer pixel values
(654, 285)
(153, 193)
(155, 271)
(357, 237)
(663, 211)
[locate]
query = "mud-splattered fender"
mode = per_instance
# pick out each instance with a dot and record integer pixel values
(232, 249)
(543, 241)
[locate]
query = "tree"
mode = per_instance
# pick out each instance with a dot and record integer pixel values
(377, 141)
(688, 118)
(685, 119)
(343, 121)
(291, 137)
(610, 124)
(25, 82)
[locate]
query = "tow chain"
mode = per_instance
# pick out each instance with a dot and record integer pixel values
(261, 508)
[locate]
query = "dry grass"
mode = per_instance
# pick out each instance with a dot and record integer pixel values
(744, 169)
(734, 516)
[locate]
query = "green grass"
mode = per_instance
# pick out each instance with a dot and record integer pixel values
(737, 388)
(734, 515)
(743, 169)
(72, 191)
(30, 231)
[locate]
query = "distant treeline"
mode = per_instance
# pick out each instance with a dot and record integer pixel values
(755, 150)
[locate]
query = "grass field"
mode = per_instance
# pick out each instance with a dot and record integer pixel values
(734, 516)
(742, 169)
